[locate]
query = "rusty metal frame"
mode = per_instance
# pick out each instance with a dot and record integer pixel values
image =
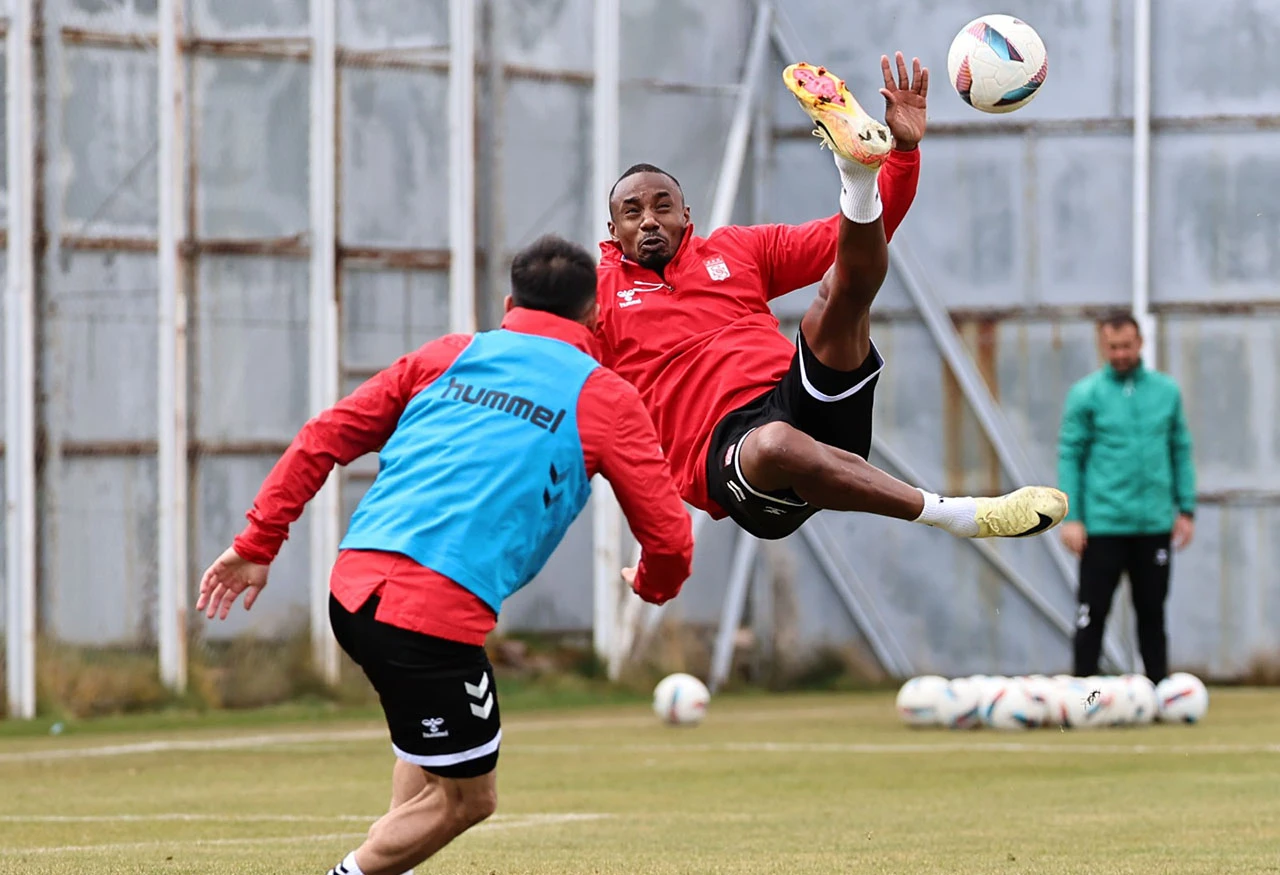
(1104, 125)
(427, 58)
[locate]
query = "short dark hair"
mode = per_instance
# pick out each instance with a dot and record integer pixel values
(554, 275)
(643, 168)
(1116, 321)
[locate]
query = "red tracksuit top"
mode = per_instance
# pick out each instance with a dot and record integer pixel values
(618, 441)
(700, 341)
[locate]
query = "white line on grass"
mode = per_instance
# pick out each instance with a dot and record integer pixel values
(279, 739)
(515, 821)
(178, 843)
(232, 743)
(186, 818)
(496, 820)
(904, 748)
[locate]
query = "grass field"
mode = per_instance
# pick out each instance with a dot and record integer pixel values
(816, 783)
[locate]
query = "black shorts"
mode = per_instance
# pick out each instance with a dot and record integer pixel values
(833, 407)
(438, 695)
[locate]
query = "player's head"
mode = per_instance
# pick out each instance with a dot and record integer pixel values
(555, 276)
(1121, 341)
(647, 215)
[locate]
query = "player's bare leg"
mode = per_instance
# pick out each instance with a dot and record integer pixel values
(442, 810)
(778, 456)
(837, 330)
(407, 781)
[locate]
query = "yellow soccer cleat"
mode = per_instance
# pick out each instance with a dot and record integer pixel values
(1026, 511)
(842, 125)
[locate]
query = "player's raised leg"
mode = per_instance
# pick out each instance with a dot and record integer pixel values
(840, 365)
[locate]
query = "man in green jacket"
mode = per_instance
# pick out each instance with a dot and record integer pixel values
(1124, 460)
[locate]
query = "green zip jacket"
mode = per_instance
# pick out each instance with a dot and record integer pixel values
(1124, 453)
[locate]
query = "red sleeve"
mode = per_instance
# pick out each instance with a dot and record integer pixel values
(898, 179)
(358, 424)
(620, 443)
(795, 256)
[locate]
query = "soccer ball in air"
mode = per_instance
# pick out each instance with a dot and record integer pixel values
(997, 63)
(918, 699)
(681, 699)
(1182, 698)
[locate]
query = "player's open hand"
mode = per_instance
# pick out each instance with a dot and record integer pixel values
(226, 578)
(905, 100)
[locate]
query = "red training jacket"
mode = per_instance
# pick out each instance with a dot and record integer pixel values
(700, 341)
(618, 442)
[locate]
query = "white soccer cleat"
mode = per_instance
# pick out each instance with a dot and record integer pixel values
(1023, 512)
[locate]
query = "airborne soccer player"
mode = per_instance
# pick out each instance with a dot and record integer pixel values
(487, 446)
(756, 427)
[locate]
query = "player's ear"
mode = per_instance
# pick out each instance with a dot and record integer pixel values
(507, 304)
(613, 231)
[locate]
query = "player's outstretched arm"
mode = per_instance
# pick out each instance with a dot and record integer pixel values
(358, 424)
(905, 114)
(223, 582)
(793, 257)
(634, 465)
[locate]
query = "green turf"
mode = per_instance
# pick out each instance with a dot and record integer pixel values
(778, 784)
(518, 695)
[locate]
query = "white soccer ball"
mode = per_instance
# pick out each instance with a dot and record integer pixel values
(918, 699)
(1006, 705)
(958, 705)
(997, 63)
(1106, 702)
(1068, 702)
(681, 699)
(1142, 698)
(1040, 690)
(1182, 698)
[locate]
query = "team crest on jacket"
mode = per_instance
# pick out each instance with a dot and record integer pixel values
(717, 269)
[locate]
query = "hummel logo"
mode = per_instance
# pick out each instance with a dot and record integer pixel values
(736, 490)
(433, 725)
(628, 296)
(556, 479)
(480, 691)
(1039, 527)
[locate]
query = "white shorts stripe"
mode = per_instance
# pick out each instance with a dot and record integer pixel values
(737, 469)
(808, 387)
(451, 759)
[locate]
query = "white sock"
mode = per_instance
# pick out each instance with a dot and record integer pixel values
(859, 191)
(959, 516)
(347, 867)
